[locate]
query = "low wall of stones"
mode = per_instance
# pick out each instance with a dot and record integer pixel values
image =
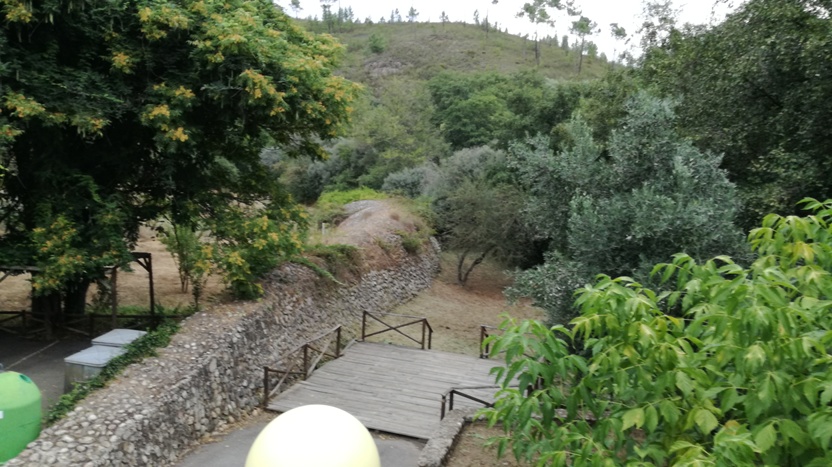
(211, 373)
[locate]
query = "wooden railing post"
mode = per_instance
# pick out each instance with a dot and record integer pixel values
(363, 325)
(338, 343)
(305, 360)
(442, 410)
(484, 348)
(266, 389)
(424, 323)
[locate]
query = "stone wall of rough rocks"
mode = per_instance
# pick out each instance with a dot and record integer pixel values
(211, 374)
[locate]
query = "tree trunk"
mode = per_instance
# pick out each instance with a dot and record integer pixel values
(75, 298)
(581, 56)
(462, 277)
(48, 309)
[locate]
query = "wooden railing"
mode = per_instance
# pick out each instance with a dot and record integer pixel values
(89, 320)
(427, 331)
(448, 398)
(23, 315)
(485, 349)
(86, 324)
(301, 367)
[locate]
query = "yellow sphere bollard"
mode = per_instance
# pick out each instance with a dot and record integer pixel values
(314, 436)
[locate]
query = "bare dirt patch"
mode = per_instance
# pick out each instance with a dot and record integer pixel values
(471, 451)
(456, 312)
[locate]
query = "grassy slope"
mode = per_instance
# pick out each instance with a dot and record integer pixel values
(420, 50)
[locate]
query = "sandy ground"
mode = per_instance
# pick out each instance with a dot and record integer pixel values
(15, 292)
(471, 451)
(455, 313)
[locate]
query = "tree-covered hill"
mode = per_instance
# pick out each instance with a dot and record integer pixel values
(421, 50)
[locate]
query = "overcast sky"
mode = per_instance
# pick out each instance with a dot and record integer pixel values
(603, 12)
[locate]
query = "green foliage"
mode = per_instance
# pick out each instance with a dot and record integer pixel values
(251, 242)
(116, 113)
(390, 133)
(479, 210)
(341, 198)
(727, 366)
(63, 251)
(139, 349)
(192, 256)
(652, 194)
(474, 110)
(338, 260)
(330, 206)
(412, 241)
(337, 257)
(413, 182)
(377, 43)
(755, 87)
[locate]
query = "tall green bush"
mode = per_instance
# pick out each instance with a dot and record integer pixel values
(618, 208)
(377, 43)
(728, 366)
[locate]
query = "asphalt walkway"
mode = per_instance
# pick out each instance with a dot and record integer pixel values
(42, 361)
(231, 448)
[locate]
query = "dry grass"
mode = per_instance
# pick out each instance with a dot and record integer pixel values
(456, 312)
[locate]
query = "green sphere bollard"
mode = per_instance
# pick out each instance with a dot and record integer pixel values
(20, 413)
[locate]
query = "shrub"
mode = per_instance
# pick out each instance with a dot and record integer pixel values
(742, 378)
(413, 182)
(377, 43)
(618, 213)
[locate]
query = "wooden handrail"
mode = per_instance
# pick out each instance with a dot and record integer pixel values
(448, 398)
(427, 330)
(307, 369)
(485, 349)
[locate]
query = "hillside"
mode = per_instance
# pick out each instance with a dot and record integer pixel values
(420, 50)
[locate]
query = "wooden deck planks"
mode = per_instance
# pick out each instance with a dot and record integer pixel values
(390, 388)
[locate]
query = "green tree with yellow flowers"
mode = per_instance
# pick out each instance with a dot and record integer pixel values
(114, 112)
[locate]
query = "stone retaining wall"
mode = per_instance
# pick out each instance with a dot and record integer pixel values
(211, 373)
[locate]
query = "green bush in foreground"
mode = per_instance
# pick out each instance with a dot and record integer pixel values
(728, 367)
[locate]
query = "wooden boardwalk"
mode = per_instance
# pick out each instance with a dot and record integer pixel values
(390, 388)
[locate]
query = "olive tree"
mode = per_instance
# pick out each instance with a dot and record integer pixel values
(620, 207)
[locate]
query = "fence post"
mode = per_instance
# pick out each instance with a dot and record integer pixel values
(266, 389)
(442, 410)
(424, 322)
(338, 342)
(363, 325)
(451, 403)
(305, 361)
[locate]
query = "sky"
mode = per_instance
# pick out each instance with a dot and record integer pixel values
(603, 12)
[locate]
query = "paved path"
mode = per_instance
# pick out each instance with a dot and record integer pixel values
(43, 361)
(231, 449)
(390, 388)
